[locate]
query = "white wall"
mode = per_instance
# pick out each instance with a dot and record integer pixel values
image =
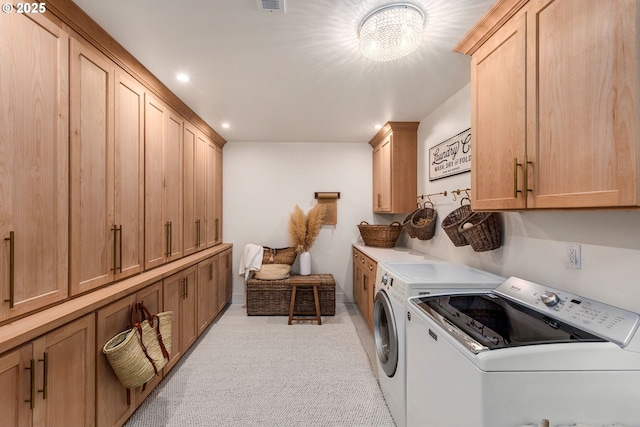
(264, 181)
(534, 242)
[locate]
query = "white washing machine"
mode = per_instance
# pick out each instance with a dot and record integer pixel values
(395, 282)
(519, 354)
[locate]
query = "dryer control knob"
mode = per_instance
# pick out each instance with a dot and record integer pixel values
(550, 298)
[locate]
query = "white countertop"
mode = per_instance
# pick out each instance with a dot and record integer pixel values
(393, 254)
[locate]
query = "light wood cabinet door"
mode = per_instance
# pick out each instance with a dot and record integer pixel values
(112, 406)
(207, 302)
(34, 164)
(203, 175)
(357, 278)
(65, 372)
(211, 194)
(225, 280)
(217, 205)
(498, 122)
(129, 175)
(106, 171)
(16, 387)
(163, 183)
(173, 183)
(382, 176)
(583, 103)
(395, 167)
(190, 224)
(179, 294)
(93, 235)
(364, 280)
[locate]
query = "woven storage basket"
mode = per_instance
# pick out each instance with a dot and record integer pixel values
(423, 223)
(485, 233)
(279, 256)
(451, 223)
(406, 224)
(127, 358)
(272, 297)
(380, 236)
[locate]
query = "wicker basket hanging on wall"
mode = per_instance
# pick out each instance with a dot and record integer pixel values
(483, 230)
(452, 222)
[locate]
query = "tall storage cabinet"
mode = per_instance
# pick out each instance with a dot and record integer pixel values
(107, 154)
(34, 163)
(555, 105)
(395, 167)
(163, 183)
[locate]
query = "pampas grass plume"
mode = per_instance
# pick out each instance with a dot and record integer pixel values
(315, 219)
(297, 229)
(303, 229)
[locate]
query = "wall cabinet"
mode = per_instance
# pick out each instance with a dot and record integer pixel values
(395, 167)
(555, 105)
(179, 294)
(364, 280)
(163, 183)
(51, 380)
(113, 407)
(107, 153)
(34, 164)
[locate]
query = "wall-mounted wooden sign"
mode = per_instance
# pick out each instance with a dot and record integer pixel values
(450, 157)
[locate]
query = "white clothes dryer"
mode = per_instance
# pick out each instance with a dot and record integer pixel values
(519, 354)
(395, 282)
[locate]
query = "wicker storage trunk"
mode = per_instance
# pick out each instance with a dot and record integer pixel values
(272, 297)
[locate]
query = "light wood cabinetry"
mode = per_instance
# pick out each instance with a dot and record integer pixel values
(364, 280)
(107, 154)
(34, 164)
(555, 105)
(51, 380)
(214, 196)
(207, 292)
(395, 167)
(192, 221)
(180, 292)
(217, 179)
(163, 183)
(15, 387)
(225, 281)
(113, 407)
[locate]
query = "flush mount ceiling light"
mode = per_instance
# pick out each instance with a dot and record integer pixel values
(391, 32)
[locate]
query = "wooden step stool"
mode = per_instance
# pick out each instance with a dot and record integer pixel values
(305, 281)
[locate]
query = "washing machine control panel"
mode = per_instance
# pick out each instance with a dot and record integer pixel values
(395, 287)
(612, 323)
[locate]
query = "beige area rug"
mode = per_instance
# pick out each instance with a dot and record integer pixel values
(259, 371)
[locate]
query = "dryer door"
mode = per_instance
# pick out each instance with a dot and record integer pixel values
(385, 333)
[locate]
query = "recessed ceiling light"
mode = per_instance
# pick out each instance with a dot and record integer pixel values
(226, 125)
(183, 77)
(377, 127)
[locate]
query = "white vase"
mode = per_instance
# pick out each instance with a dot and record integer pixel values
(305, 264)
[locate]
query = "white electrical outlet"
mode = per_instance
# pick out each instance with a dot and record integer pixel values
(573, 257)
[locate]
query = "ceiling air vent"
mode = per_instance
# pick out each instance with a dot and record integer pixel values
(275, 6)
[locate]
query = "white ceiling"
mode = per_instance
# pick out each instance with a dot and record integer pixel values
(292, 77)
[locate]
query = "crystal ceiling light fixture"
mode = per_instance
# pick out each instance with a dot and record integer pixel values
(391, 32)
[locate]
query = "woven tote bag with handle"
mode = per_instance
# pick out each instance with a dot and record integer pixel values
(139, 353)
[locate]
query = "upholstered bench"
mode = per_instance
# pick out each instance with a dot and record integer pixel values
(273, 297)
